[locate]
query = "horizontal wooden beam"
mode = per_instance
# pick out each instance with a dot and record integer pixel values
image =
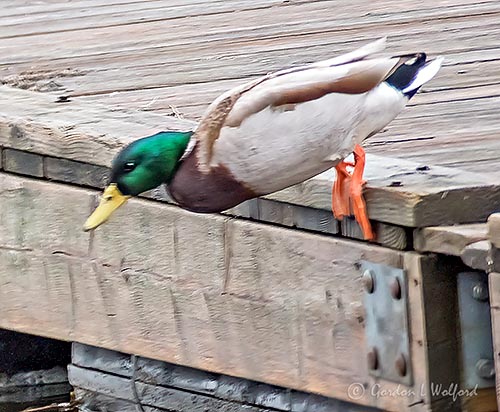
(494, 289)
(235, 297)
(449, 240)
(494, 229)
(399, 192)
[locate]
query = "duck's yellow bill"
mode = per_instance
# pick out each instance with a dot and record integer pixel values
(111, 200)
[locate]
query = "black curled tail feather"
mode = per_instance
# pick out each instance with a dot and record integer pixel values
(404, 75)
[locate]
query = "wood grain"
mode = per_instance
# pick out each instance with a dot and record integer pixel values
(189, 387)
(157, 54)
(494, 288)
(399, 192)
(449, 240)
(485, 401)
(494, 229)
(477, 255)
(430, 284)
(235, 297)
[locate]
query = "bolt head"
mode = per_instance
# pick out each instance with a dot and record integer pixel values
(372, 358)
(480, 292)
(400, 365)
(485, 368)
(369, 281)
(396, 289)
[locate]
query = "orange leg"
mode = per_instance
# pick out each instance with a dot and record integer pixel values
(348, 189)
(340, 190)
(358, 203)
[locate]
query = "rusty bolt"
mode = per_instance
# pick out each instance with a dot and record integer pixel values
(372, 358)
(369, 281)
(396, 289)
(400, 365)
(480, 292)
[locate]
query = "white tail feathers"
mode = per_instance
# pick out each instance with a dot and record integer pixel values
(425, 74)
(359, 54)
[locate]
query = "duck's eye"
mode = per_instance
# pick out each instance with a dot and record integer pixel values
(128, 167)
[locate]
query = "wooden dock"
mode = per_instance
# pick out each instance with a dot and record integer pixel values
(271, 291)
(162, 55)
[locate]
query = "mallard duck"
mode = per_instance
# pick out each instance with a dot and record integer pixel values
(274, 132)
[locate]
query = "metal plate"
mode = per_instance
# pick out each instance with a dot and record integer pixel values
(386, 323)
(475, 329)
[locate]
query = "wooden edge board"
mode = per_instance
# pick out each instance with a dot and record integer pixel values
(24, 163)
(494, 288)
(400, 192)
(494, 229)
(482, 255)
(235, 297)
(449, 240)
(224, 295)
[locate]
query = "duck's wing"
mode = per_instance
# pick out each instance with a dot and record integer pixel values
(351, 73)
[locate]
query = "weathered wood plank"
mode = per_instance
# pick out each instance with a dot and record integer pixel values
(160, 68)
(97, 402)
(34, 386)
(87, 133)
(150, 395)
(317, 220)
(196, 97)
(35, 123)
(412, 196)
(450, 240)
(431, 285)
(482, 255)
(485, 401)
(250, 300)
(225, 389)
(261, 27)
(494, 229)
(494, 289)
(127, 41)
(386, 235)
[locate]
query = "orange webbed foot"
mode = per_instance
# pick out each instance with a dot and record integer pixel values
(348, 190)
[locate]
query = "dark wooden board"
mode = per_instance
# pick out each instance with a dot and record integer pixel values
(188, 387)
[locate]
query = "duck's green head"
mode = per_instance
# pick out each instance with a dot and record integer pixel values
(139, 167)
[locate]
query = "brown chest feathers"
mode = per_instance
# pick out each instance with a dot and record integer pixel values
(214, 191)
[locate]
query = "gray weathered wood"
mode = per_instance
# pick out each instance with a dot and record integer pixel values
(34, 122)
(123, 55)
(24, 387)
(97, 402)
(250, 300)
(494, 229)
(24, 163)
(95, 387)
(399, 192)
(150, 395)
(494, 288)
(386, 235)
(287, 215)
(226, 388)
(477, 255)
(431, 285)
(450, 240)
